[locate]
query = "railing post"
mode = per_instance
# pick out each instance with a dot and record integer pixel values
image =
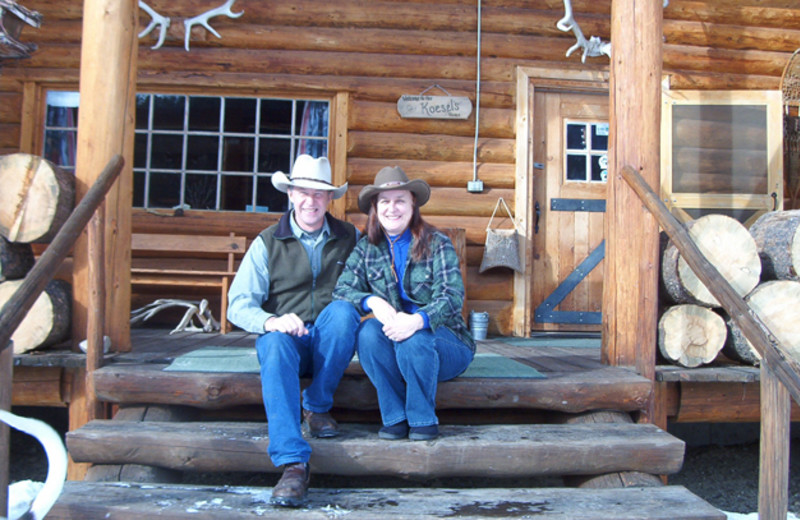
(773, 471)
(6, 373)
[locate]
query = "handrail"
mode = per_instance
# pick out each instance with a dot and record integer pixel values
(15, 309)
(786, 368)
(779, 373)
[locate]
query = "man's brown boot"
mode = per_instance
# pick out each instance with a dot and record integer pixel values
(320, 425)
(292, 488)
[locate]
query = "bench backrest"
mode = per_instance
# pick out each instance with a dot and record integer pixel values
(230, 245)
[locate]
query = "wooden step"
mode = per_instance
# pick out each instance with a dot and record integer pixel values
(130, 501)
(571, 391)
(519, 450)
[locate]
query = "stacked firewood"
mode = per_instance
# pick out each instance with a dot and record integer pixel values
(35, 200)
(761, 263)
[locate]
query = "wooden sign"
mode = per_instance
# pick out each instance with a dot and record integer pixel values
(434, 107)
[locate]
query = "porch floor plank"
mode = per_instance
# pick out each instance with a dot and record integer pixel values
(131, 501)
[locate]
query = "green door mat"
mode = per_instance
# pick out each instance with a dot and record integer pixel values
(244, 360)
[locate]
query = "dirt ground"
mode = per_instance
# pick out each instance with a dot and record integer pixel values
(725, 475)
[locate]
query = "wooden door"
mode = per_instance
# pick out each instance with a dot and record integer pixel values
(569, 191)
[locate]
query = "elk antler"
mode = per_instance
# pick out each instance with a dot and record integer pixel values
(592, 47)
(202, 19)
(157, 19)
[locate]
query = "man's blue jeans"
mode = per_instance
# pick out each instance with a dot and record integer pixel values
(406, 373)
(322, 355)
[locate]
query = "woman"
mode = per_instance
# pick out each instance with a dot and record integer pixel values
(407, 274)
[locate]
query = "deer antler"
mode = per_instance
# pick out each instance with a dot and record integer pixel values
(157, 20)
(202, 19)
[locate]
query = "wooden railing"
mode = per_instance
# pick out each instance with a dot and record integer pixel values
(780, 372)
(15, 309)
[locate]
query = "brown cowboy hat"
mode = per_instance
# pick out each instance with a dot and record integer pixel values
(393, 178)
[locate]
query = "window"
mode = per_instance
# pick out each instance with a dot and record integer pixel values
(205, 152)
(586, 154)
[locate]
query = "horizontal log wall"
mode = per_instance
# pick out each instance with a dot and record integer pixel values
(379, 51)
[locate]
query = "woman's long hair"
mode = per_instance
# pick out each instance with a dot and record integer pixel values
(421, 231)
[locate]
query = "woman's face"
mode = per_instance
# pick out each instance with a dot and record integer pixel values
(395, 208)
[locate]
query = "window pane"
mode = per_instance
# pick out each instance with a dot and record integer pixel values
(240, 115)
(314, 148)
(274, 155)
(168, 112)
(576, 167)
(140, 151)
(719, 149)
(165, 189)
(201, 191)
(236, 190)
(268, 196)
(142, 111)
(238, 154)
(276, 117)
(60, 147)
(576, 136)
(600, 136)
(138, 188)
(167, 151)
(204, 114)
(202, 152)
(65, 117)
(599, 168)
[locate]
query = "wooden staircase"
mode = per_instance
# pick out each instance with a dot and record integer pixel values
(560, 432)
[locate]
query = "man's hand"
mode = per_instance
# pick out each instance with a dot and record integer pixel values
(288, 323)
(403, 326)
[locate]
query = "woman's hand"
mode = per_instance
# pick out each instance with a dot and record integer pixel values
(403, 326)
(382, 310)
(288, 323)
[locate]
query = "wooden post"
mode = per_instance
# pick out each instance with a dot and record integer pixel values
(106, 127)
(773, 471)
(6, 376)
(630, 286)
(97, 296)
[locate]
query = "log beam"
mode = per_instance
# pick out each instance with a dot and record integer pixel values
(105, 128)
(630, 288)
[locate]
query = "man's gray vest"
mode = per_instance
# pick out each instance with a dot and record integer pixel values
(291, 284)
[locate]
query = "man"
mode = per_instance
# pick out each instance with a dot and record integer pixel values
(283, 291)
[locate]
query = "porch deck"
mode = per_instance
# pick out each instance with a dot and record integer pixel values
(574, 380)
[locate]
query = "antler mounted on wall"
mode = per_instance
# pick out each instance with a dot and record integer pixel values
(594, 46)
(224, 9)
(163, 22)
(12, 16)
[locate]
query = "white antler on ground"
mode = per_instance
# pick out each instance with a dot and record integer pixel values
(157, 20)
(32, 499)
(194, 310)
(202, 19)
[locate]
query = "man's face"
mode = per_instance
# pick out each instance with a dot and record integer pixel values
(309, 207)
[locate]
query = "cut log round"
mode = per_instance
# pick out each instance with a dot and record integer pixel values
(690, 335)
(736, 347)
(777, 236)
(36, 199)
(776, 303)
(48, 320)
(16, 259)
(727, 245)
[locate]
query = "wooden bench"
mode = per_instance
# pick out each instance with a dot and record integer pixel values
(180, 270)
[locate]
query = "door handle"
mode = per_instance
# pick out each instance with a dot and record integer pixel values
(538, 210)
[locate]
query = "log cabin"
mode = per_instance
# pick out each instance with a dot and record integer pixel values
(288, 76)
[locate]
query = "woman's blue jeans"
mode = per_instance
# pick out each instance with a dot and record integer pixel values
(406, 373)
(322, 355)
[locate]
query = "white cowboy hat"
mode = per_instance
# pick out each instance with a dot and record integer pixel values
(307, 172)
